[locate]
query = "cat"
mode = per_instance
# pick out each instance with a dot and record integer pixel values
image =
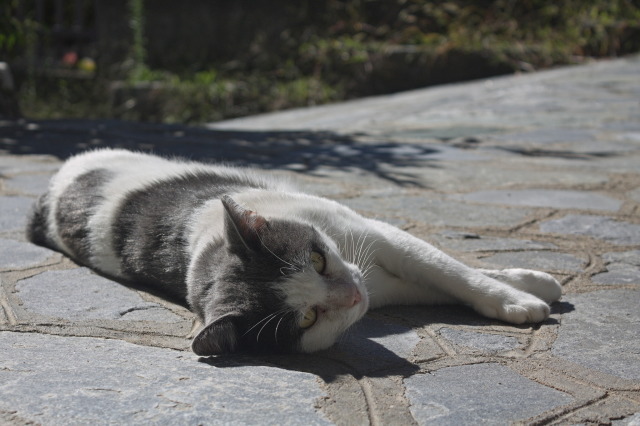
(264, 266)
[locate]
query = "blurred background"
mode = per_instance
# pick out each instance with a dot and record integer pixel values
(197, 61)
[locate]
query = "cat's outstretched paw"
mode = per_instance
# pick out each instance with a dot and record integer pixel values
(539, 284)
(518, 308)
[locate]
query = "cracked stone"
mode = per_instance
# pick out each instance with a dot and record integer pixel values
(19, 255)
(539, 260)
(103, 381)
(461, 241)
(29, 184)
(622, 268)
(437, 212)
(550, 136)
(13, 212)
(490, 343)
(478, 394)
(78, 294)
(14, 164)
(603, 228)
(601, 332)
(372, 344)
(3, 315)
(618, 273)
(628, 421)
(558, 199)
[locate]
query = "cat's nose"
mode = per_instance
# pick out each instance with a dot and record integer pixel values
(356, 297)
(344, 294)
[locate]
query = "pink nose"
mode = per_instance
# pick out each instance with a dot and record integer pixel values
(357, 297)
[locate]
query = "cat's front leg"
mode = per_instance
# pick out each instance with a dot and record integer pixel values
(540, 284)
(417, 263)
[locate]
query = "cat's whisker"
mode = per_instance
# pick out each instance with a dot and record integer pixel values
(365, 253)
(361, 240)
(262, 320)
(279, 321)
(344, 246)
(352, 252)
(255, 325)
(273, 316)
(368, 261)
(292, 269)
(368, 270)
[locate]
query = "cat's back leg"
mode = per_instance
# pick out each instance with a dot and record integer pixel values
(59, 219)
(37, 230)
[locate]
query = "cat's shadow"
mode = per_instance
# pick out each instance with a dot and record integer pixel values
(381, 345)
(330, 364)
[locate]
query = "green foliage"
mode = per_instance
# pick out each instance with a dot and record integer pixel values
(136, 11)
(340, 49)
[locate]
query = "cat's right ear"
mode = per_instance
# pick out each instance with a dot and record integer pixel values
(243, 223)
(218, 337)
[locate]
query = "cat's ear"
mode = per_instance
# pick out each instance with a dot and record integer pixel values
(243, 223)
(218, 337)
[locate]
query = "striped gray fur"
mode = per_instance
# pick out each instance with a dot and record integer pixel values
(76, 205)
(150, 230)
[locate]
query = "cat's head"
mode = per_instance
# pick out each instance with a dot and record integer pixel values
(273, 286)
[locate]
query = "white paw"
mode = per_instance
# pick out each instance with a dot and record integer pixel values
(517, 308)
(539, 284)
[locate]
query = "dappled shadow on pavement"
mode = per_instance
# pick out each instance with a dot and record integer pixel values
(300, 151)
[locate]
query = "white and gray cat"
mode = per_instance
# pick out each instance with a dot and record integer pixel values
(264, 266)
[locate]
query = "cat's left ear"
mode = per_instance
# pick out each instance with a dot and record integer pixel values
(218, 337)
(246, 223)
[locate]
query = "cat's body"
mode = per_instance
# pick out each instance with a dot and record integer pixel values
(262, 265)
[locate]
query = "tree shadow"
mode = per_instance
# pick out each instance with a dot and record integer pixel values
(299, 151)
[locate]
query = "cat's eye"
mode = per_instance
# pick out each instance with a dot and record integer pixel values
(309, 318)
(318, 261)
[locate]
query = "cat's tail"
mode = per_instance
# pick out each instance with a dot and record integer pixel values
(37, 223)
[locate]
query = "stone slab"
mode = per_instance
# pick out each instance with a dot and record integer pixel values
(13, 212)
(618, 274)
(478, 394)
(550, 136)
(470, 242)
(450, 177)
(438, 212)
(373, 345)
(633, 420)
(559, 199)
(602, 332)
(14, 164)
(541, 260)
(603, 228)
(487, 343)
(3, 315)
(97, 381)
(33, 184)
(19, 255)
(79, 294)
(631, 257)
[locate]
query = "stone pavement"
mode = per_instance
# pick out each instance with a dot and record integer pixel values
(538, 171)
